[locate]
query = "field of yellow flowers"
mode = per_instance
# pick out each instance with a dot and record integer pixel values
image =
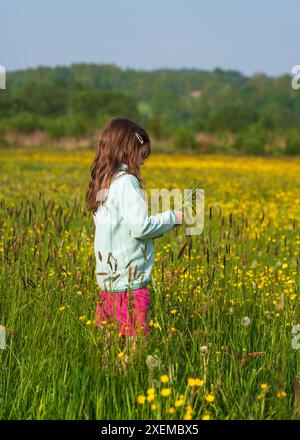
(223, 341)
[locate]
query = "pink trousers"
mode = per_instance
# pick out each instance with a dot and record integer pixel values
(128, 310)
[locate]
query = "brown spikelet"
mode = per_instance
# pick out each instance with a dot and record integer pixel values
(128, 264)
(135, 271)
(256, 354)
(194, 287)
(115, 278)
(252, 355)
(130, 274)
(144, 253)
(182, 250)
(184, 270)
(296, 411)
(102, 273)
(108, 260)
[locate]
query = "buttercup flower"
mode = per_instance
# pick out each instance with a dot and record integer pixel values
(165, 392)
(192, 382)
(281, 394)
(206, 417)
(164, 378)
(178, 403)
(151, 391)
(209, 398)
(141, 399)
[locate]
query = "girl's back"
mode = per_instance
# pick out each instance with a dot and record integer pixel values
(124, 232)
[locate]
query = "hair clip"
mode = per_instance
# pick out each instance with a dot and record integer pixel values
(139, 138)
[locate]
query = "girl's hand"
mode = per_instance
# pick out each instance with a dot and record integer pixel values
(179, 216)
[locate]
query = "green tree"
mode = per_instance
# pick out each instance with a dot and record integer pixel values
(185, 139)
(66, 126)
(24, 123)
(292, 145)
(233, 117)
(252, 140)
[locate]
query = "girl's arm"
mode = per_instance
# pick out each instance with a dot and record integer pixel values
(134, 211)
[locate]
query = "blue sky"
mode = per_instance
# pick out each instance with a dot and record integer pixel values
(249, 36)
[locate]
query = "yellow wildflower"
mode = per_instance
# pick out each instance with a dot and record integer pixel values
(206, 417)
(141, 399)
(187, 416)
(178, 403)
(281, 394)
(191, 382)
(165, 392)
(209, 398)
(164, 378)
(151, 391)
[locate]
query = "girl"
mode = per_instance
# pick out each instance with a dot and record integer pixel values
(124, 232)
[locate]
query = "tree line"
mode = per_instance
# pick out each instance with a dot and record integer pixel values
(253, 115)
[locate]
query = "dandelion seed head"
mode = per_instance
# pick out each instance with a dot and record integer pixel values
(203, 349)
(152, 361)
(245, 321)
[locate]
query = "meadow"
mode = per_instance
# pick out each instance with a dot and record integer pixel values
(223, 304)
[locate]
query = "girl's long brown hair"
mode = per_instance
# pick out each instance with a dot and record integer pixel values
(118, 143)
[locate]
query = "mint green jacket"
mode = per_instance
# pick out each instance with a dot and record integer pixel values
(124, 235)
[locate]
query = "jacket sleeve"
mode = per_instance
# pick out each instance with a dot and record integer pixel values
(134, 211)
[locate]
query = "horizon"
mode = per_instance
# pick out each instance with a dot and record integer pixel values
(142, 70)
